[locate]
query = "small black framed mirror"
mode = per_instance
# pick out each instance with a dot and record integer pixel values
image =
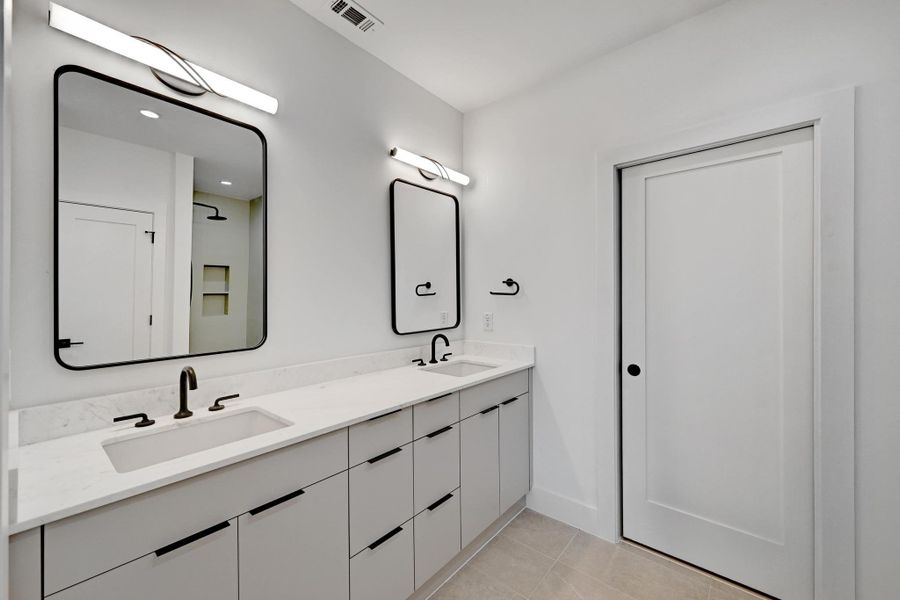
(159, 223)
(424, 259)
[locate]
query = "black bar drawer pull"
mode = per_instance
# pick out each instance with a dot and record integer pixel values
(372, 461)
(276, 502)
(387, 414)
(510, 401)
(489, 410)
(385, 538)
(439, 397)
(441, 501)
(439, 431)
(192, 538)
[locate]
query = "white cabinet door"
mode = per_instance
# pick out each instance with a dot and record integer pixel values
(296, 546)
(196, 568)
(384, 570)
(479, 472)
(514, 451)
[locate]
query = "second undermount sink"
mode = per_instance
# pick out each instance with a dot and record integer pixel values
(460, 368)
(132, 452)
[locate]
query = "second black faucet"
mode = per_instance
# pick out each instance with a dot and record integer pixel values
(434, 340)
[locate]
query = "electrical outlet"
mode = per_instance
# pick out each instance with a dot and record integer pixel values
(487, 321)
(445, 317)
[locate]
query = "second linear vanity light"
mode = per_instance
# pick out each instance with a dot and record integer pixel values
(429, 165)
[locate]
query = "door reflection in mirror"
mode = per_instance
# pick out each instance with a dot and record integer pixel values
(160, 226)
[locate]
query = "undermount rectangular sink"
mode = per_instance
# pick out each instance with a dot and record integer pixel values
(461, 368)
(129, 453)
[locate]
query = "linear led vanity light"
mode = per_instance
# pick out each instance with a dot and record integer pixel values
(431, 166)
(154, 57)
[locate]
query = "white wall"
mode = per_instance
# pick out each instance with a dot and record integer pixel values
(341, 110)
(534, 214)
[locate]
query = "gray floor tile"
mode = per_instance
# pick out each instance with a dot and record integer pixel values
(471, 584)
(515, 565)
(547, 536)
(564, 583)
(588, 554)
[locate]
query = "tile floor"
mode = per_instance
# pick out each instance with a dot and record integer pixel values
(538, 558)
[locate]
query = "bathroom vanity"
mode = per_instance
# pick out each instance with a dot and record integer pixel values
(371, 487)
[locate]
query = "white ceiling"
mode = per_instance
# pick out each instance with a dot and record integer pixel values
(221, 150)
(473, 52)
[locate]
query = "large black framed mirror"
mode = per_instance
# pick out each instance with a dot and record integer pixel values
(424, 259)
(159, 228)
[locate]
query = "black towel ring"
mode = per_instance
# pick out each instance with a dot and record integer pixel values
(510, 282)
(427, 286)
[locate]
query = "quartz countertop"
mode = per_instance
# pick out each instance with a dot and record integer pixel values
(69, 475)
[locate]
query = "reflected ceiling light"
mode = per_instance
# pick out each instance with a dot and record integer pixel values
(430, 166)
(225, 182)
(149, 114)
(156, 57)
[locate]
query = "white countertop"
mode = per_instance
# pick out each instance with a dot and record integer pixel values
(66, 476)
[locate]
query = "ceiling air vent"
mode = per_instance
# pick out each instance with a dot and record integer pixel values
(355, 14)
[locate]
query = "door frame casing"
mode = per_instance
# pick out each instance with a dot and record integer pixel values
(831, 116)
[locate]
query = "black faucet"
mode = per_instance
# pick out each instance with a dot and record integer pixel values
(188, 380)
(434, 340)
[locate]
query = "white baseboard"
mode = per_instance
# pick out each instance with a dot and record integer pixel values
(570, 511)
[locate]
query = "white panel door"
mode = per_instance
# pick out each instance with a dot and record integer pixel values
(717, 353)
(105, 283)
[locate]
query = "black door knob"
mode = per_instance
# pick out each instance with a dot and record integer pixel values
(633, 370)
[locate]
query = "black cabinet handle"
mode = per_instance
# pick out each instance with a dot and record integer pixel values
(276, 502)
(192, 538)
(439, 397)
(489, 410)
(372, 461)
(633, 370)
(387, 414)
(434, 434)
(510, 401)
(439, 502)
(385, 538)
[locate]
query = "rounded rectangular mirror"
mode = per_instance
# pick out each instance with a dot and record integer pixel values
(160, 226)
(425, 258)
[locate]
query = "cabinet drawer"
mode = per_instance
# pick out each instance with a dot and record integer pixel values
(375, 436)
(480, 397)
(479, 474)
(381, 496)
(298, 546)
(126, 530)
(436, 413)
(436, 470)
(385, 572)
(437, 537)
(205, 568)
